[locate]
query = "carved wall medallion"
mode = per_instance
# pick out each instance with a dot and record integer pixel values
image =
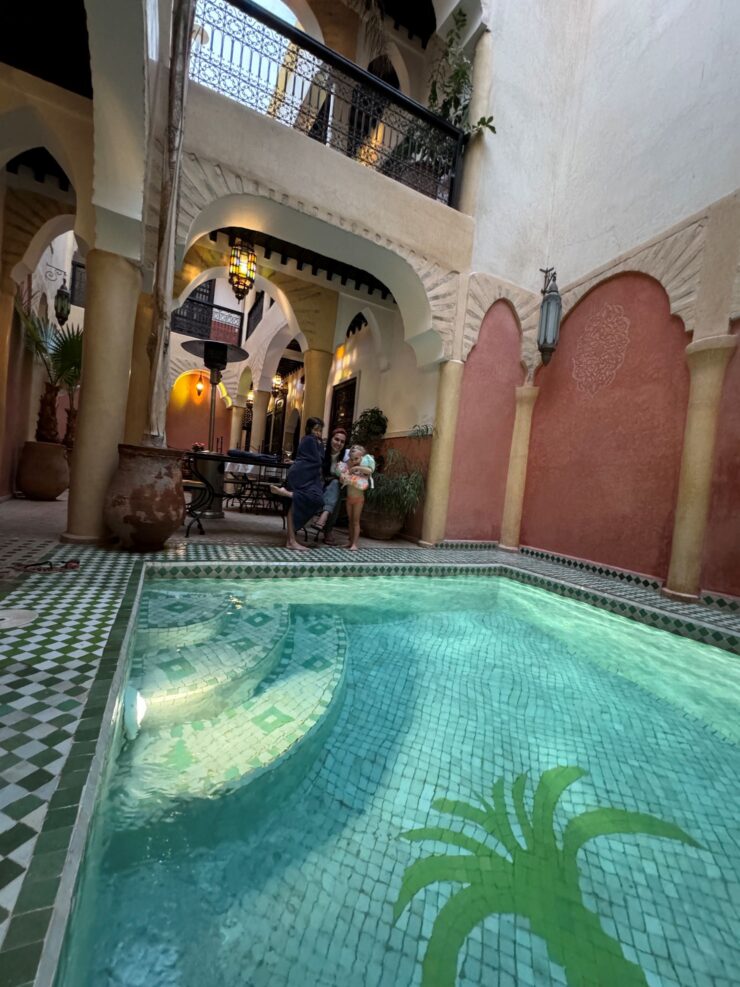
(601, 349)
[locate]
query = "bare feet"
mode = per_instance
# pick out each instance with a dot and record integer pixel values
(321, 520)
(296, 546)
(352, 548)
(280, 491)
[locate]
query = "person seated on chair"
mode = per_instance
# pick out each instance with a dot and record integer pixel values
(336, 452)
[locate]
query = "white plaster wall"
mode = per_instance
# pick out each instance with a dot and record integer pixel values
(59, 255)
(615, 121)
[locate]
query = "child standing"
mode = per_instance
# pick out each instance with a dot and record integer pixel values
(356, 476)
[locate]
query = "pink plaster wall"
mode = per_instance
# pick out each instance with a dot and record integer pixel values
(187, 414)
(607, 431)
(484, 426)
(721, 571)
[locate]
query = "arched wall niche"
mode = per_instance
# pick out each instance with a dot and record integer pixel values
(485, 424)
(188, 414)
(607, 430)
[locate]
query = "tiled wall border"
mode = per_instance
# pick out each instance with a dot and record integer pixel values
(53, 872)
(602, 570)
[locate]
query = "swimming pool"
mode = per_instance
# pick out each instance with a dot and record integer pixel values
(401, 781)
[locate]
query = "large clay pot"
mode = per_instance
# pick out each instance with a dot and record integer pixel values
(43, 470)
(379, 525)
(145, 503)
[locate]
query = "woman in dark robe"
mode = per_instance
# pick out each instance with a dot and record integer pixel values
(305, 482)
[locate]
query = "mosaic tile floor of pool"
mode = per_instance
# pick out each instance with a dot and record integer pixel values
(514, 792)
(55, 675)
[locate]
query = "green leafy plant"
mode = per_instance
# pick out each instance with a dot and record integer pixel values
(60, 353)
(536, 879)
(398, 490)
(451, 82)
(369, 428)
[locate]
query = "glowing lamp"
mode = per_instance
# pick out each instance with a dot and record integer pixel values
(200, 386)
(242, 267)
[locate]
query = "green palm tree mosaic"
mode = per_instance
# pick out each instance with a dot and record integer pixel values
(538, 881)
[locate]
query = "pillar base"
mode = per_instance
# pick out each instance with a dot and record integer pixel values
(67, 538)
(671, 594)
(427, 544)
(509, 548)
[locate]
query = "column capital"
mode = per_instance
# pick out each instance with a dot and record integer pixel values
(527, 393)
(722, 346)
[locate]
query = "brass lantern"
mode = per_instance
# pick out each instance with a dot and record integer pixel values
(242, 267)
(277, 386)
(62, 303)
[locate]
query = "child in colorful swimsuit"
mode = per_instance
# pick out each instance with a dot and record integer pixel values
(356, 476)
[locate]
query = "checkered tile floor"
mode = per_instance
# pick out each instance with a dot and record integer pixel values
(48, 670)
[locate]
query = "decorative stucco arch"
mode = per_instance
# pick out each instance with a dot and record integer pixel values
(265, 369)
(27, 121)
(54, 227)
(213, 198)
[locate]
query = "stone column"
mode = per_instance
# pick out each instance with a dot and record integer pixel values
(316, 364)
(259, 418)
(113, 285)
(707, 359)
(237, 415)
(517, 476)
(138, 384)
(7, 303)
(443, 447)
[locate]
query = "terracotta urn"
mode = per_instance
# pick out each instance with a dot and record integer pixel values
(43, 470)
(380, 525)
(145, 503)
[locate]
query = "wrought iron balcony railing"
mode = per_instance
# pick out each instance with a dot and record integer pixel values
(253, 57)
(206, 321)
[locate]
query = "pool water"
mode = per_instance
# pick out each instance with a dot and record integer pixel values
(414, 781)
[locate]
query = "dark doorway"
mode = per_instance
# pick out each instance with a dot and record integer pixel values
(278, 426)
(343, 405)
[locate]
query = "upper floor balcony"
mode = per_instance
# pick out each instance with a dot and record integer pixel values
(247, 54)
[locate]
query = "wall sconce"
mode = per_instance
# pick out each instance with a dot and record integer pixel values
(550, 312)
(250, 396)
(242, 267)
(277, 385)
(62, 302)
(200, 386)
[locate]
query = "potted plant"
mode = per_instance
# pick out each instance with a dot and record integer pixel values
(43, 470)
(426, 162)
(369, 429)
(397, 491)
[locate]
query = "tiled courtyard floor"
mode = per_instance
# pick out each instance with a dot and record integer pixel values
(56, 671)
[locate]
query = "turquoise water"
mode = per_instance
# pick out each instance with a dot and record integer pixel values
(285, 785)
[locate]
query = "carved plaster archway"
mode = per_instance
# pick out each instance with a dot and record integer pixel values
(213, 197)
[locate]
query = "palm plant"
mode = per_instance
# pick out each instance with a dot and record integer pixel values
(537, 880)
(60, 353)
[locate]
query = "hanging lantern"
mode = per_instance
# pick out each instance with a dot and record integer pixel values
(277, 385)
(200, 386)
(242, 267)
(550, 312)
(62, 303)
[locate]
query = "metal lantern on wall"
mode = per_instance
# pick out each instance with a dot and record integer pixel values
(62, 303)
(277, 386)
(242, 267)
(550, 312)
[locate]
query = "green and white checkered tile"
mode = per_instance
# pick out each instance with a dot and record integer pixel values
(46, 671)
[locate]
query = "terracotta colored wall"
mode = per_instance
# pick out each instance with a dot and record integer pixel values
(417, 451)
(187, 414)
(607, 431)
(721, 571)
(484, 426)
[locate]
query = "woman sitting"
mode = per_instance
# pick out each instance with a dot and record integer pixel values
(303, 483)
